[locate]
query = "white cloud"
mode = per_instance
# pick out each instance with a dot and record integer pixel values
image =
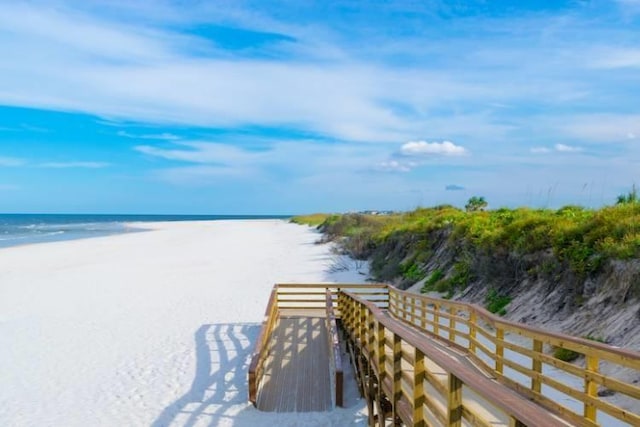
(165, 136)
(422, 148)
(559, 148)
(201, 152)
(65, 165)
(153, 74)
(563, 148)
(394, 166)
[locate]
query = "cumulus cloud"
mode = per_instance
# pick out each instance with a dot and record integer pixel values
(423, 148)
(454, 187)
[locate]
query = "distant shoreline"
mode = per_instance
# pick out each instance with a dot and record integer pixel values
(27, 229)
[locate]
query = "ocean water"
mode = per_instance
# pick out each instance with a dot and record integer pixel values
(21, 229)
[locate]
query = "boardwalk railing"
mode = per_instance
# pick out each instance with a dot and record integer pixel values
(516, 355)
(335, 362)
(407, 370)
(306, 299)
(521, 362)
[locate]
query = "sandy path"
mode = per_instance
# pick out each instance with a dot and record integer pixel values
(151, 328)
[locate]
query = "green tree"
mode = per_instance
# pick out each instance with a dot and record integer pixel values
(476, 204)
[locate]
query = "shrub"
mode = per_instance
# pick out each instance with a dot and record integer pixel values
(412, 272)
(496, 303)
(565, 354)
(433, 279)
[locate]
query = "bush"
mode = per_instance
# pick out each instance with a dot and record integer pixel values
(433, 279)
(412, 272)
(565, 354)
(496, 303)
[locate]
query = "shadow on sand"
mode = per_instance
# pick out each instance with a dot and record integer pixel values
(218, 391)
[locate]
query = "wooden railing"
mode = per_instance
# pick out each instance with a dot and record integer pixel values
(518, 355)
(261, 352)
(335, 362)
(309, 299)
(403, 362)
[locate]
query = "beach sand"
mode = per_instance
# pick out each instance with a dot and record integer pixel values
(149, 329)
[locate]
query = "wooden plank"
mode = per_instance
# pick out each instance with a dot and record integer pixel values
(298, 380)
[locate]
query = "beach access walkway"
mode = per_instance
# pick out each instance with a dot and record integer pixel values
(424, 361)
(297, 371)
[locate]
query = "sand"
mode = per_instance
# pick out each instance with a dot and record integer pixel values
(152, 328)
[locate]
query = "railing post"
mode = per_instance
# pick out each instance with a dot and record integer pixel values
(499, 349)
(413, 311)
(452, 323)
(454, 401)
(536, 366)
(418, 389)
(590, 387)
(397, 374)
(380, 356)
(436, 319)
(423, 315)
(364, 314)
(473, 321)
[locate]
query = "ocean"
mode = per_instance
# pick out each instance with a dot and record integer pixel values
(21, 229)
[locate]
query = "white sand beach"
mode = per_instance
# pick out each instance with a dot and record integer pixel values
(149, 329)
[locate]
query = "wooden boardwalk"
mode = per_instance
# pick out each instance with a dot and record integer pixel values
(296, 376)
(423, 361)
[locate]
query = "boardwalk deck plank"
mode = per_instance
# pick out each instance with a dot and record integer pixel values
(297, 376)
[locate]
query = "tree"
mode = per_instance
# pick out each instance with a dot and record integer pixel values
(476, 204)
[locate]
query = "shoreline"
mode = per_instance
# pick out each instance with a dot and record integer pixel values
(128, 227)
(137, 328)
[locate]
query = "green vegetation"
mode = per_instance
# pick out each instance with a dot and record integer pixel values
(595, 338)
(459, 280)
(565, 354)
(496, 303)
(432, 281)
(630, 197)
(579, 237)
(411, 271)
(313, 219)
(476, 204)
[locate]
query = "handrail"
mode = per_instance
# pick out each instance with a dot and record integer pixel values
(335, 358)
(482, 335)
(369, 328)
(507, 350)
(300, 296)
(260, 353)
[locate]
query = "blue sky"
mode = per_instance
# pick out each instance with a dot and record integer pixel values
(257, 107)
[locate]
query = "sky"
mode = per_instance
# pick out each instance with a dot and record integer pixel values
(280, 107)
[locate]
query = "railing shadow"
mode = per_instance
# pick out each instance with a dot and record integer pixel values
(296, 377)
(223, 353)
